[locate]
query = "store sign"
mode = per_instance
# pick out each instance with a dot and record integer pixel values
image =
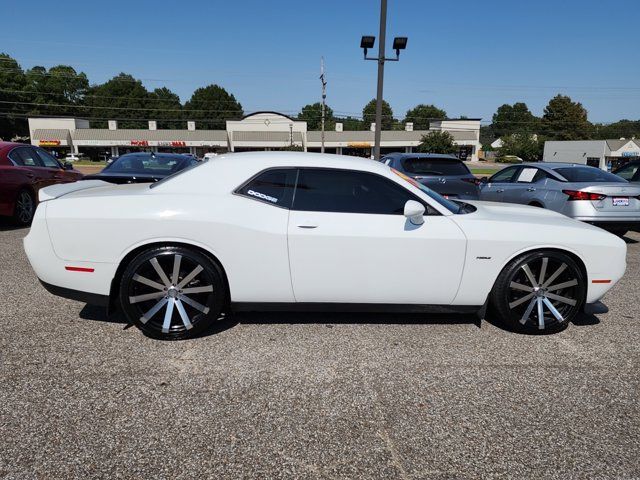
(139, 143)
(49, 143)
(359, 144)
(631, 154)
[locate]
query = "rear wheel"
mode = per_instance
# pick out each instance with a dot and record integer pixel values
(172, 292)
(24, 209)
(539, 291)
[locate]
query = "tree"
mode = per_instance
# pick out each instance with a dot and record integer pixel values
(369, 115)
(565, 119)
(516, 118)
(211, 106)
(523, 145)
(421, 114)
(167, 108)
(312, 114)
(437, 141)
(123, 98)
(59, 91)
(620, 129)
(12, 82)
(350, 124)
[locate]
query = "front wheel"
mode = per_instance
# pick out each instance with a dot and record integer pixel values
(539, 291)
(172, 292)
(24, 209)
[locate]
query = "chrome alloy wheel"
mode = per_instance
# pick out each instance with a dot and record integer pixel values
(545, 291)
(168, 293)
(25, 207)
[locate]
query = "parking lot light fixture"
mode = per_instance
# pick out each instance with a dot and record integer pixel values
(366, 43)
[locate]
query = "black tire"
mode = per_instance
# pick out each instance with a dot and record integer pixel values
(191, 307)
(25, 208)
(517, 293)
(536, 204)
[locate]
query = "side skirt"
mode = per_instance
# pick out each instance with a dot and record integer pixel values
(351, 307)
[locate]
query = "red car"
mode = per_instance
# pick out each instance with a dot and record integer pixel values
(25, 169)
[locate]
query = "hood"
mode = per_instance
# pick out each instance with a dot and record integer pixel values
(514, 213)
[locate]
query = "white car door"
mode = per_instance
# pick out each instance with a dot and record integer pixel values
(349, 242)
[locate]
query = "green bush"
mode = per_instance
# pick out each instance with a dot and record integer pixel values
(508, 159)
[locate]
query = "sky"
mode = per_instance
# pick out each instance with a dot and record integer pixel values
(465, 56)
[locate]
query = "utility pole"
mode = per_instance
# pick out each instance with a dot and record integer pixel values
(381, 59)
(324, 98)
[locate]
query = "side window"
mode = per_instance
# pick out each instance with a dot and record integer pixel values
(25, 156)
(504, 176)
(274, 186)
(343, 191)
(529, 175)
(628, 172)
(47, 159)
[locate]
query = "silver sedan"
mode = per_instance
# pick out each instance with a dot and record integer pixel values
(578, 191)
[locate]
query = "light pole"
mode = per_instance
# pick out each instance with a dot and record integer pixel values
(367, 42)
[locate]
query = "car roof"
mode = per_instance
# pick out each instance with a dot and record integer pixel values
(555, 165)
(442, 156)
(300, 159)
(157, 155)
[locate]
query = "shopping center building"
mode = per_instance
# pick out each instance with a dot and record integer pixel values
(604, 154)
(257, 131)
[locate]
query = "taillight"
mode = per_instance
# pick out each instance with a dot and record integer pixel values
(578, 195)
(475, 181)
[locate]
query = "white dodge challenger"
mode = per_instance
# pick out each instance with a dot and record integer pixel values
(278, 230)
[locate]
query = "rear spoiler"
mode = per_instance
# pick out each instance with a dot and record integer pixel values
(55, 191)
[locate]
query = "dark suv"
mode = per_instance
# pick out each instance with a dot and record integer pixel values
(445, 174)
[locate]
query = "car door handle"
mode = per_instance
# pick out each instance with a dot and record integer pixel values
(531, 189)
(29, 174)
(500, 190)
(307, 225)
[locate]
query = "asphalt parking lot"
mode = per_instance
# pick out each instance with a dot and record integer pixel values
(314, 395)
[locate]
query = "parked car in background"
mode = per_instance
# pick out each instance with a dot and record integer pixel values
(630, 171)
(445, 174)
(24, 170)
(579, 191)
(288, 230)
(143, 167)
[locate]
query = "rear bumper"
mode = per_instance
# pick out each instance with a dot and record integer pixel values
(607, 223)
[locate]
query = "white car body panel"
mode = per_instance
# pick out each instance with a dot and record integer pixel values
(348, 258)
(374, 258)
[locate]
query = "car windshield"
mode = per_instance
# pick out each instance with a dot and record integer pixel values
(146, 165)
(588, 174)
(448, 204)
(434, 166)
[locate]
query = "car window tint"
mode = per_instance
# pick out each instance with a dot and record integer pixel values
(47, 159)
(25, 157)
(627, 172)
(504, 176)
(588, 174)
(324, 190)
(273, 186)
(434, 166)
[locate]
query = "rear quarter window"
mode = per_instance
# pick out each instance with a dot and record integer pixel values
(274, 186)
(588, 174)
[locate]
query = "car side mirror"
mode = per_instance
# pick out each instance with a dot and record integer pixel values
(484, 180)
(414, 211)
(67, 165)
